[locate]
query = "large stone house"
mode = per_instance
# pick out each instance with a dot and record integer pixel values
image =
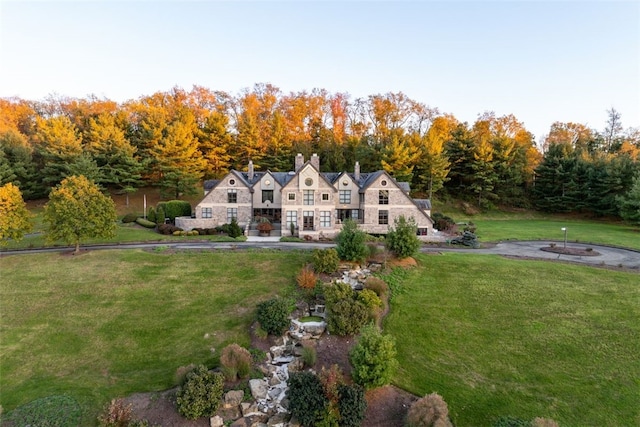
(315, 203)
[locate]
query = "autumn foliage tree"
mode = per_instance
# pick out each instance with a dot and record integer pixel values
(78, 210)
(14, 215)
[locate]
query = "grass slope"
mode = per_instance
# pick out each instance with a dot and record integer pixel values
(108, 323)
(525, 338)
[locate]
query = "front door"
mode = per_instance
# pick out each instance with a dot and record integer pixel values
(307, 220)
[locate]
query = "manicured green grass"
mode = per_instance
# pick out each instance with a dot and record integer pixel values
(551, 229)
(501, 337)
(105, 324)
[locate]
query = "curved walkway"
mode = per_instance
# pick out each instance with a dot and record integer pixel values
(609, 256)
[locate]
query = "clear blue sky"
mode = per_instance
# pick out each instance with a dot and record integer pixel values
(541, 61)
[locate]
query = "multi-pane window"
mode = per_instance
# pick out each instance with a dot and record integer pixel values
(307, 220)
(355, 213)
(383, 217)
(325, 197)
(307, 197)
(232, 213)
(325, 218)
(267, 196)
(383, 197)
(232, 196)
(292, 218)
(292, 196)
(207, 213)
(345, 197)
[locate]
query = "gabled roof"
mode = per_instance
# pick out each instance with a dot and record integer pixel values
(209, 184)
(424, 204)
(322, 175)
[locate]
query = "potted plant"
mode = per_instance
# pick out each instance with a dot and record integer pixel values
(264, 227)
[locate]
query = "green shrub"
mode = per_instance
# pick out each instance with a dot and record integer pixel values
(369, 299)
(347, 317)
(60, 411)
(309, 356)
(352, 405)
(116, 414)
(307, 401)
(145, 223)
(129, 218)
(345, 314)
(337, 292)
(178, 233)
(234, 230)
(175, 208)
(429, 411)
(325, 260)
(201, 393)
(151, 214)
(373, 358)
(402, 239)
(273, 315)
(351, 242)
(160, 215)
(235, 361)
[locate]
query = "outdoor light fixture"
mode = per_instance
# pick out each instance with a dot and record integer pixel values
(565, 236)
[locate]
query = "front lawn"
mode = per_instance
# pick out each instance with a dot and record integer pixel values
(105, 324)
(501, 337)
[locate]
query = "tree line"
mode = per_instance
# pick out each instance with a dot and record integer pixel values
(174, 139)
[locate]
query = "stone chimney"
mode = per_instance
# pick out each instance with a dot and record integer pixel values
(250, 170)
(315, 161)
(356, 172)
(299, 162)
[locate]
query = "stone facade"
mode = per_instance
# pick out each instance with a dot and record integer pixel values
(315, 202)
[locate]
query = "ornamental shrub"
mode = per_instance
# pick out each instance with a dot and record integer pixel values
(168, 229)
(429, 411)
(145, 223)
(307, 279)
(116, 414)
(130, 217)
(175, 208)
(337, 292)
(347, 317)
(369, 299)
(402, 238)
(234, 230)
(273, 315)
(377, 285)
(373, 358)
(151, 214)
(331, 378)
(307, 401)
(235, 361)
(325, 260)
(350, 241)
(201, 393)
(443, 222)
(309, 356)
(352, 405)
(160, 215)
